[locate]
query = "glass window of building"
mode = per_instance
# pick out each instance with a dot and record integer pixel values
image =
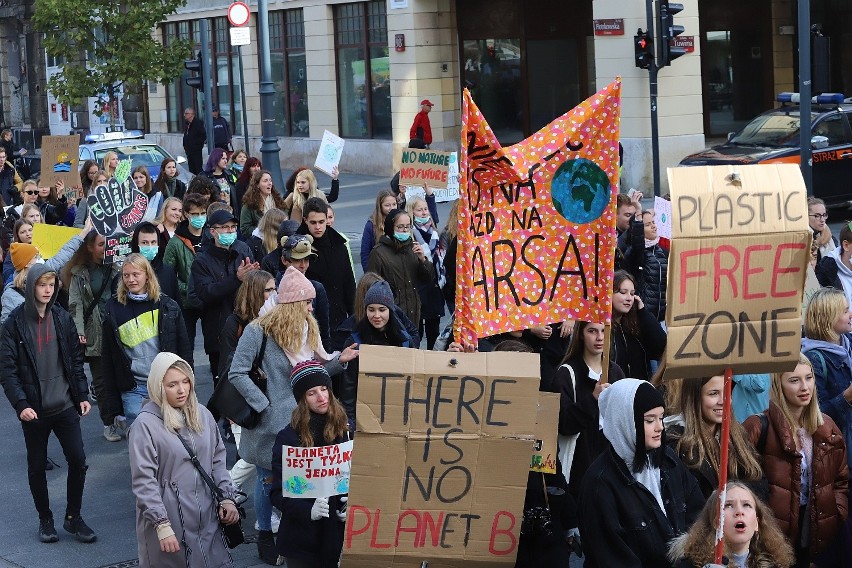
(289, 73)
(363, 69)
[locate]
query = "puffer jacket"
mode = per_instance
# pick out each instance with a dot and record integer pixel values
(782, 465)
(395, 262)
(180, 254)
(652, 282)
(81, 297)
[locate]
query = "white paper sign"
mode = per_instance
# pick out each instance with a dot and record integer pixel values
(321, 471)
(663, 217)
(449, 193)
(240, 36)
(331, 148)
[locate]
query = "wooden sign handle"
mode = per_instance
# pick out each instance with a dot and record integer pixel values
(606, 348)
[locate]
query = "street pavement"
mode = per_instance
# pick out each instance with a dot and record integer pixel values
(108, 503)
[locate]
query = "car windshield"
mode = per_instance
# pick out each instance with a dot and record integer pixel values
(140, 155)
(770, 130)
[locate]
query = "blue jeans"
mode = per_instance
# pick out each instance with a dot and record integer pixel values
(262, 504)
(132, 401)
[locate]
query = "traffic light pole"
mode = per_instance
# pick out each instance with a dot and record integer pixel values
(653, 88)
(805, 154)
(204, 38)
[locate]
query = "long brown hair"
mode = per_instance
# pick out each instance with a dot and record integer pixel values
(335, 425)
(377, 217)
(367, 280)
(452, 227)
(249, 297)
(254, 199)
(629, 321)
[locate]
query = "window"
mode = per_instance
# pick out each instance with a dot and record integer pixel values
(287, 51)
(178, 94)
(363, 70)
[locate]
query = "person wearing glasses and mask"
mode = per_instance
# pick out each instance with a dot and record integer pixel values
(402, 262)
(216, 275)
(835, 268)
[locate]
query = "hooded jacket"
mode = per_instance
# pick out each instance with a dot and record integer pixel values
(830, 271)
(180, 254)
(19, 372)
(332, 267)
(620, 518)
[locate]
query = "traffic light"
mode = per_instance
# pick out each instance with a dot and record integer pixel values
(194, 66)
(643, 45)
(668, 31)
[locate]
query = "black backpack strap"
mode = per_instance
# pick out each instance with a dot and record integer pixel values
(91, 307)
(217, 493)
(764, 432)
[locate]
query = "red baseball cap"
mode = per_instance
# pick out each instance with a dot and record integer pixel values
(426, 102)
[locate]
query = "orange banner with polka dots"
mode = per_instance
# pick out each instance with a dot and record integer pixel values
(536, 235)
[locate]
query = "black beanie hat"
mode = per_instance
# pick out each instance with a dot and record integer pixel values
(390, 221)
(307, 375)
(646, 398)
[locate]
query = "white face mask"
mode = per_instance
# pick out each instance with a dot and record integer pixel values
(39, 260)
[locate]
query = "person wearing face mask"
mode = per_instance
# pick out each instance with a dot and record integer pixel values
(180, 254)
(636, 496)
(217, 272)
(139, 323)
(148, 242)
(402, 262)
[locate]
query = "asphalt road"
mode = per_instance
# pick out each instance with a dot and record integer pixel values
(108, 503)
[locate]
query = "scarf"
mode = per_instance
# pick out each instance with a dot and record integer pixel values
(304, 353)
(316, 424)
(649, 244)
(268, 203)
(137, 297)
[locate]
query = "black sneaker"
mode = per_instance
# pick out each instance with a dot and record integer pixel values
(46, 530)
(77, 527)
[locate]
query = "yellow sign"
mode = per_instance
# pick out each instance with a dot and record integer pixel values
(50, 238)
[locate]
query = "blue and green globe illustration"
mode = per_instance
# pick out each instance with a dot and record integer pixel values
(580, 191)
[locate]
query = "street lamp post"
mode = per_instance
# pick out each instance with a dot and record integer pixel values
(269, 148)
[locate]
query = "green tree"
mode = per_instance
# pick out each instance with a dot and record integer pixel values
(115, 41)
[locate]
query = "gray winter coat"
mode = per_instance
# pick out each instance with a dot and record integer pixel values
(167, 486)
(277, 405)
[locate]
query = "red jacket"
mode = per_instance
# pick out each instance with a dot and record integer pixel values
(421, 121)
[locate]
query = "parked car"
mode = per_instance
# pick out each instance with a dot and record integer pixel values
(773, 137)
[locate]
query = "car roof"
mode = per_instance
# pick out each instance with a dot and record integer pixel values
(815, 108)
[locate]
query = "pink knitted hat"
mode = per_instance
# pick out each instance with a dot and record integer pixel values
(294, 287)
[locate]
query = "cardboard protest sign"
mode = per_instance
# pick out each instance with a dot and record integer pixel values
(444, 445)
(424, 167)
(737, 265)
(60, 161)
(450, 193)
(321, 471)
(811, 286)
(330, 151)
(50, 238)
(116, 208)
(546, 421)
(663, 217)
(537, 221)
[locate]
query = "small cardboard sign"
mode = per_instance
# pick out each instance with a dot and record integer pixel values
(50, 238)
(737, 265)
(320, 471)
(425, 167)
(450, 193)
(330, 151)
(444, 445)
(546, 420)
(663, 217)
(60, 161)
(811, 287)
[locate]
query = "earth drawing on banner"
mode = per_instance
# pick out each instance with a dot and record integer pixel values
(580, 191)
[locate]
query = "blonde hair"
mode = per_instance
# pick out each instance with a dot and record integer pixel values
(161, 218)
(268, 228)
(29, 183)
(152, 285)
(298, 197)
(826, 306)
(811, 416)
(452, 227)
(25, 210)
(107, 157)
(285, 324)
(20, 279)
(412, 203)
(176, 418)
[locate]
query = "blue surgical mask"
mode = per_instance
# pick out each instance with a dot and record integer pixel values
(227, 239)
(238, 167)
(149, 252)
(422, 220)
(198, 222)
(402, 237)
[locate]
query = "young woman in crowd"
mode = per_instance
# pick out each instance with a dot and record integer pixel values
(449, 243)
(804, 458)
(824, 242)
(177, 514)
(260, 198)
(169, 218)
(82, 211)
(110, 163)
(142, 180)
(264, 237)
(697, 441)
(237, 163)
(285, 336)
(304, 187)
(375, 225)
(835, 267)
(652, 270)
(88, 173)
(579, 382)
(139, 322)
(216, 170)
(750, 532)
(251, 166)
(424, 215)
(149, 242)
(311, 534)
(31, 213)
(636, 496)
(377, 326)
(53, 204)
(168, 183)
(637, 338)
(402, 262)
(90, 283)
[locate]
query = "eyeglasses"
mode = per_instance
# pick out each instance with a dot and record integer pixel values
(227, 228)
(31, 192)
(269, 289)
(819, 215)
(402, 227)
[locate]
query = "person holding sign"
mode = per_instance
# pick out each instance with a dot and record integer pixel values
(751, 534)
(142, 181)
(311, 533)
(424, 213)
(637, 496)
(53, 203)
(305, 187)
(804, 458)
(637, 337)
